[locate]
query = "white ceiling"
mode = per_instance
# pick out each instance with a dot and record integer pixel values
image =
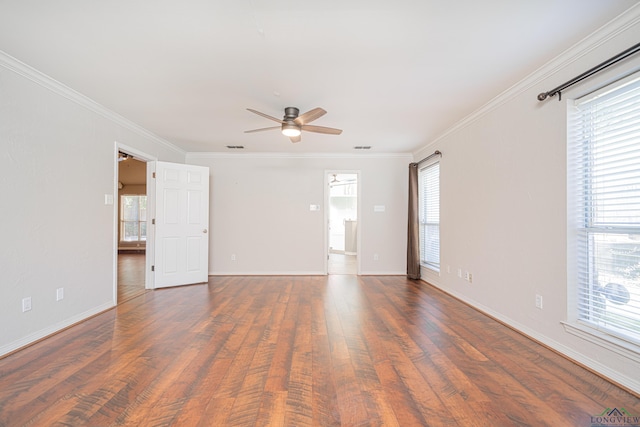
(393, 74)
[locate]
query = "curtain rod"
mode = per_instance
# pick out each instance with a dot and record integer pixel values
(619, 57)
(435, 153)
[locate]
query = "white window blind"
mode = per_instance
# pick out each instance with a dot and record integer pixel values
(133, 218)
(429, 211)
(604, 156)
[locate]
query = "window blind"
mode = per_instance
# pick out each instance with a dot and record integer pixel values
(604, 156)
(429, 177)
(133, 218)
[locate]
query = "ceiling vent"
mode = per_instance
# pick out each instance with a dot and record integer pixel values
(235, 147)
(362, 147)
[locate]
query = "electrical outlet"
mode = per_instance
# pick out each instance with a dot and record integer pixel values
(469, 277)
(448, 269)
(26, 304)
(59, 294)
(233, 257)
(460, 273)
(539, 301)
(376, 257)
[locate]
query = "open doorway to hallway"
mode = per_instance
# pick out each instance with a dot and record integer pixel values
(342, 215)
(131, 226)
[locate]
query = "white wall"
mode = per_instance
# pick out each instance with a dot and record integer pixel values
(504, 203)
(57, 162)
(260, 212)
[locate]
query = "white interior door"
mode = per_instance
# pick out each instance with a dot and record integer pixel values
(181, 248)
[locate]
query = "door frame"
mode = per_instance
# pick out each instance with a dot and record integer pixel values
(143, 157)
(327, 175)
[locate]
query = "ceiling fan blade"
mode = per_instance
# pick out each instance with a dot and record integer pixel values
(321, 129)
(266, 116)
(310, 116)
(262, 129)
(295, 139)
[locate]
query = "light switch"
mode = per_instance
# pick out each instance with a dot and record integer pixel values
(108, 199)
(379, 208)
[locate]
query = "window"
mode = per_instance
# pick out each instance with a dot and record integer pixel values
(133, 218)
(429, 212)
(604, 156)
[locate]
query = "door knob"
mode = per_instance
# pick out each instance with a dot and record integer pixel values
(204, 231)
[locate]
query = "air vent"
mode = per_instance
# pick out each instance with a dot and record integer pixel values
(235, 147)
(362, 147)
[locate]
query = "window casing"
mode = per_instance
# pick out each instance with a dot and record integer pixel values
(429, 215)
(604, 168)
(133, 218)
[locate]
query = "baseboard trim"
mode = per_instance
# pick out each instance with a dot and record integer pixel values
(42, 334)
(626, 383)
(383, 273)
(299, 273)
(267, 273)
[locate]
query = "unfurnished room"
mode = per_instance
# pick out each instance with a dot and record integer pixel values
(338, 213)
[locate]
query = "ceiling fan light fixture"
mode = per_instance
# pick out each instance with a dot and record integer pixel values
(292, 124)
(290, 129)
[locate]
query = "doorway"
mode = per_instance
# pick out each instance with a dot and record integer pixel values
(342, 220)
(131, 223)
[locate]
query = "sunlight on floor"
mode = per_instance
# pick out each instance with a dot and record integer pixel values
(342, 264)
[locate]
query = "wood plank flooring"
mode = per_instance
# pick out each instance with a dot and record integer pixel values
(131, 269)
(298, 351)
(342, 264)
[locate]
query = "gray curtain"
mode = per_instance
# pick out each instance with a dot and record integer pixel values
(413, 236)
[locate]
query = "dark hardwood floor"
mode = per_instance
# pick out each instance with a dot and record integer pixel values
(298, 351)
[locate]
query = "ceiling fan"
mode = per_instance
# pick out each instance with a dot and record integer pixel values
(293, 124)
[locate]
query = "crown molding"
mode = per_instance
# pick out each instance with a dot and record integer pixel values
(58, 88)
(609, 31)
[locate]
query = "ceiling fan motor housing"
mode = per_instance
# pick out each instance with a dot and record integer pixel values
(291, 113)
